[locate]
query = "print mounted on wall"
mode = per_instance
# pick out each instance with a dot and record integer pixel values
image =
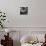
(23, 10)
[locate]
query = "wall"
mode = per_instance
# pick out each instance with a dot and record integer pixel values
(38, 13)
(35, 18)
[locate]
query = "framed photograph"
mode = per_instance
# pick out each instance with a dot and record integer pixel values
(23, 10)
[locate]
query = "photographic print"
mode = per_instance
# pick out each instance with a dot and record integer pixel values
(23, 10)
